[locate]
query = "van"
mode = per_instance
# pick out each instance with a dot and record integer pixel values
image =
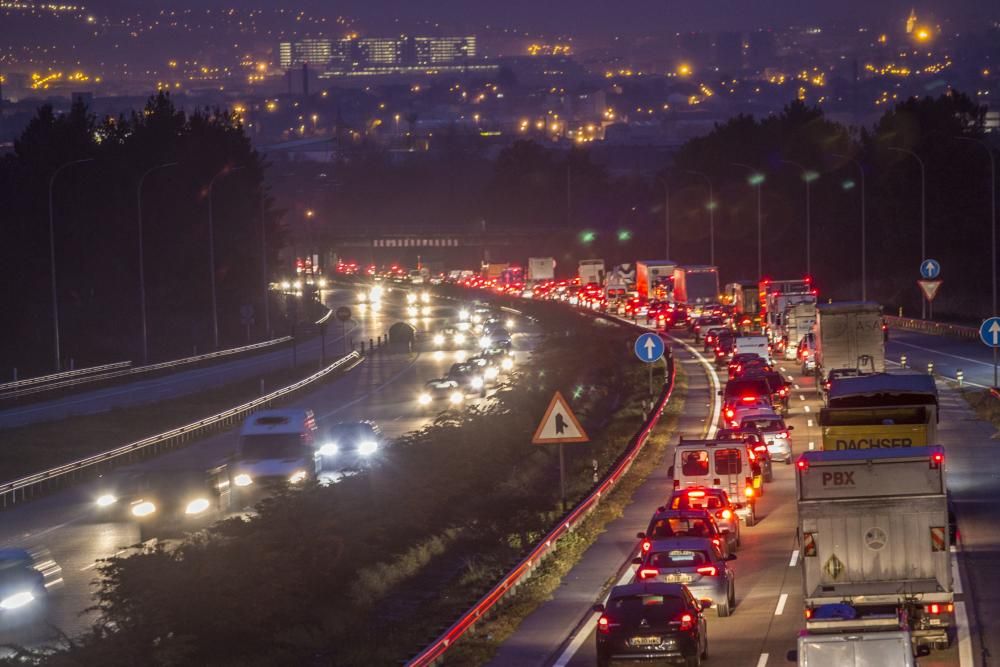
(719, 464)
(754, 345)
(277, 445)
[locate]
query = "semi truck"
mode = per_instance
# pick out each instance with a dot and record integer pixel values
(882, 410)
(591, 271)
(849, 335)
(696, 287)
(797, 321)
(874, 531)
(654, 278)
(541, 269)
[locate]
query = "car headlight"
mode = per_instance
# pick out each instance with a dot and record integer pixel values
(298, 284)
(424, 399)
(425, 311)
(439, 339)
(411, 311)
(196, 506)
(492, 373)
(375, 294)
(321, 282)
(477, 382)
(460, 338)
(507, 364)
(17, 600)
(456, 397)
(509, 323)
(286, 284)
(242, 480)
(425, 297)
(297, 476)
(144, 508)
(485, 342)
(329, 449)
(367, 448)
(476, 319)
(463, 326)
(463, 314)
(106, 500)
(411, 298)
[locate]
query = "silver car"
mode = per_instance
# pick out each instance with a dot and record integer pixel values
(776, 434)
(698, 563)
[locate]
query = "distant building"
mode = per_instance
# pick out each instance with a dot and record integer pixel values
(305, 52)
(380, 55)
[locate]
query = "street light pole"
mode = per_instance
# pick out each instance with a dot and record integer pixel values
(52, 260)
(808, 176)
(211, 253)
(923, 216)
(263, 260)
(711, 214)
(993, 232)
(142, 258)
(756, 179)
(864, 245)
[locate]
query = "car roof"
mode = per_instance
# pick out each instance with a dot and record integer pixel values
(682, 513)
(761, 415)
(681, 542)
(14, 554)
(647, 588)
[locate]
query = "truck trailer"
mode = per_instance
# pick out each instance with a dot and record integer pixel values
(849, 335)
(654, 278)
(696, 287)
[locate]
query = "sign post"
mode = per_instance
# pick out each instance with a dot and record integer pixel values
(649, 347)
(989, 333)
(559, 426)
(343, 315)
(930, 269)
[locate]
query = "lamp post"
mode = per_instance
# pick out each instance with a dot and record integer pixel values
(756, 179)
(864, 246)
(211, 252)
(52, 259)
(808, 175)
(923, 216)
(263, 260)
(711, 214)
(993, 232)
(142, 257)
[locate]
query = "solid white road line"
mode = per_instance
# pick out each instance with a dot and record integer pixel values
(795, 558)
(780, 609)
(763, 660)
(587, 628)
(955, 575)
(713, 378)
(808, 409)
(964, 637)
(809, 423)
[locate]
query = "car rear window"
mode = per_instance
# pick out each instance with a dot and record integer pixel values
(694, 463)
(687, 502)
(677, 558)
(631, 609)
(728, 462)
(754, 387)
(764, 424)
(680, 527)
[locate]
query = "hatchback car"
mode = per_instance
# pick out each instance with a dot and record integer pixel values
(698, 564)
(682, 523)
(351, 444)
(776, 433)
(440, 390)
(715, 501)
(649, 620)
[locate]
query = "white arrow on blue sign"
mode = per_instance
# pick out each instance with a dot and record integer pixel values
(989, 331)
(930, 269)
(649, 347)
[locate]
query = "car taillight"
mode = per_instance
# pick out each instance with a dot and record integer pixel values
(802, 464)
(648, 572)
(783, 391)
(708, 570)
(646, 544)
(696, 494)
(751, 455)
(749, 399)
(687, 622)
(808, 614)
(760, 449)
(724, 514)
(603, 625)
(937, 459)
(716, 541)
(783, 434)
(730, 413)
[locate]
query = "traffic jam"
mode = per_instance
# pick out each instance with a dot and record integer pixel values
(871, 526)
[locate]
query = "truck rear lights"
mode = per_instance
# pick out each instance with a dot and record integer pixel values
(749, 492)
(645, 546)
(937, 458)
(724, 514)
(802, 464)
(696, 494)
(934, 609)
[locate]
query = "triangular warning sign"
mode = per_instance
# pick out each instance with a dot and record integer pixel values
(559, 424)
(930, 288)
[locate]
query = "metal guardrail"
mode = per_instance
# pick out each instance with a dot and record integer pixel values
(22, 490)
(935, 328)
(141, 370)
(55, 377)
(524, 569)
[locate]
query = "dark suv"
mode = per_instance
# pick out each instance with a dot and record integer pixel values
(651, 621)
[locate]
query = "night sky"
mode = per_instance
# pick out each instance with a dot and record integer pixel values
(594, 16)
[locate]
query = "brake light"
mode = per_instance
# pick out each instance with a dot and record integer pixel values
(749, 399)
(716, 541)
(687, 622)
(648, 572)
(751, 455)
(783, 434)
(603, 624)
(646, 544)
(802, 464)
(708, 570)
(696, 494)
(809, 614)
(937, 608)
(748, 492)
(760, 449)
(937, 459)
(783, 391)
(730, 413)
(724, 514)
(739, 368)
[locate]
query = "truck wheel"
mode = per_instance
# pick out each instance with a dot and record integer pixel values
(752, 517)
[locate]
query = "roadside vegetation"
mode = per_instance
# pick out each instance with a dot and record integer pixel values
(365, 571)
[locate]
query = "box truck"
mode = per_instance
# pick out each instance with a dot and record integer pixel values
(696, 287)
(591, 271)
(654, 278)
(541, 269)
(849, 335)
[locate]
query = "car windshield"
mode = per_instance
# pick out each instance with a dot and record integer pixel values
(680, 527)
(630, 610)
(694, 463)
(677, 558)
(764, 424)
(272, 446)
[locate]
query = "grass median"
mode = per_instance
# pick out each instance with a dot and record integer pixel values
(365, 571)
(29, 449)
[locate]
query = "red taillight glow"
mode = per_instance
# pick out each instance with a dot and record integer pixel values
(748, 492)
(933, 609)
(809, 614)
(646, 544)
(783, 434)
(937, 459)
(687, 622)
(716, 541)
(696, 494)
(783, 391)
(708, 570)
(603, 624)
(730, 413)
(724, 514)
(802, 465)
(749, 399)
(648, 572)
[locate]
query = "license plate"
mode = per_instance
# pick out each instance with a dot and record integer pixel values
(645, 641)
(678, 578)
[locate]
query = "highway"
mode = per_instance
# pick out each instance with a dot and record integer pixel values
(768, 615)
(949, 355)
(384, 388)
(152, 390)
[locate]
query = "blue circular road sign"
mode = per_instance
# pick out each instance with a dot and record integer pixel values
(989, 331)
(649, 347)
(930, 269)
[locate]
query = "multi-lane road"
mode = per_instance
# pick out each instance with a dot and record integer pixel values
(769, 611)
(384, 389)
